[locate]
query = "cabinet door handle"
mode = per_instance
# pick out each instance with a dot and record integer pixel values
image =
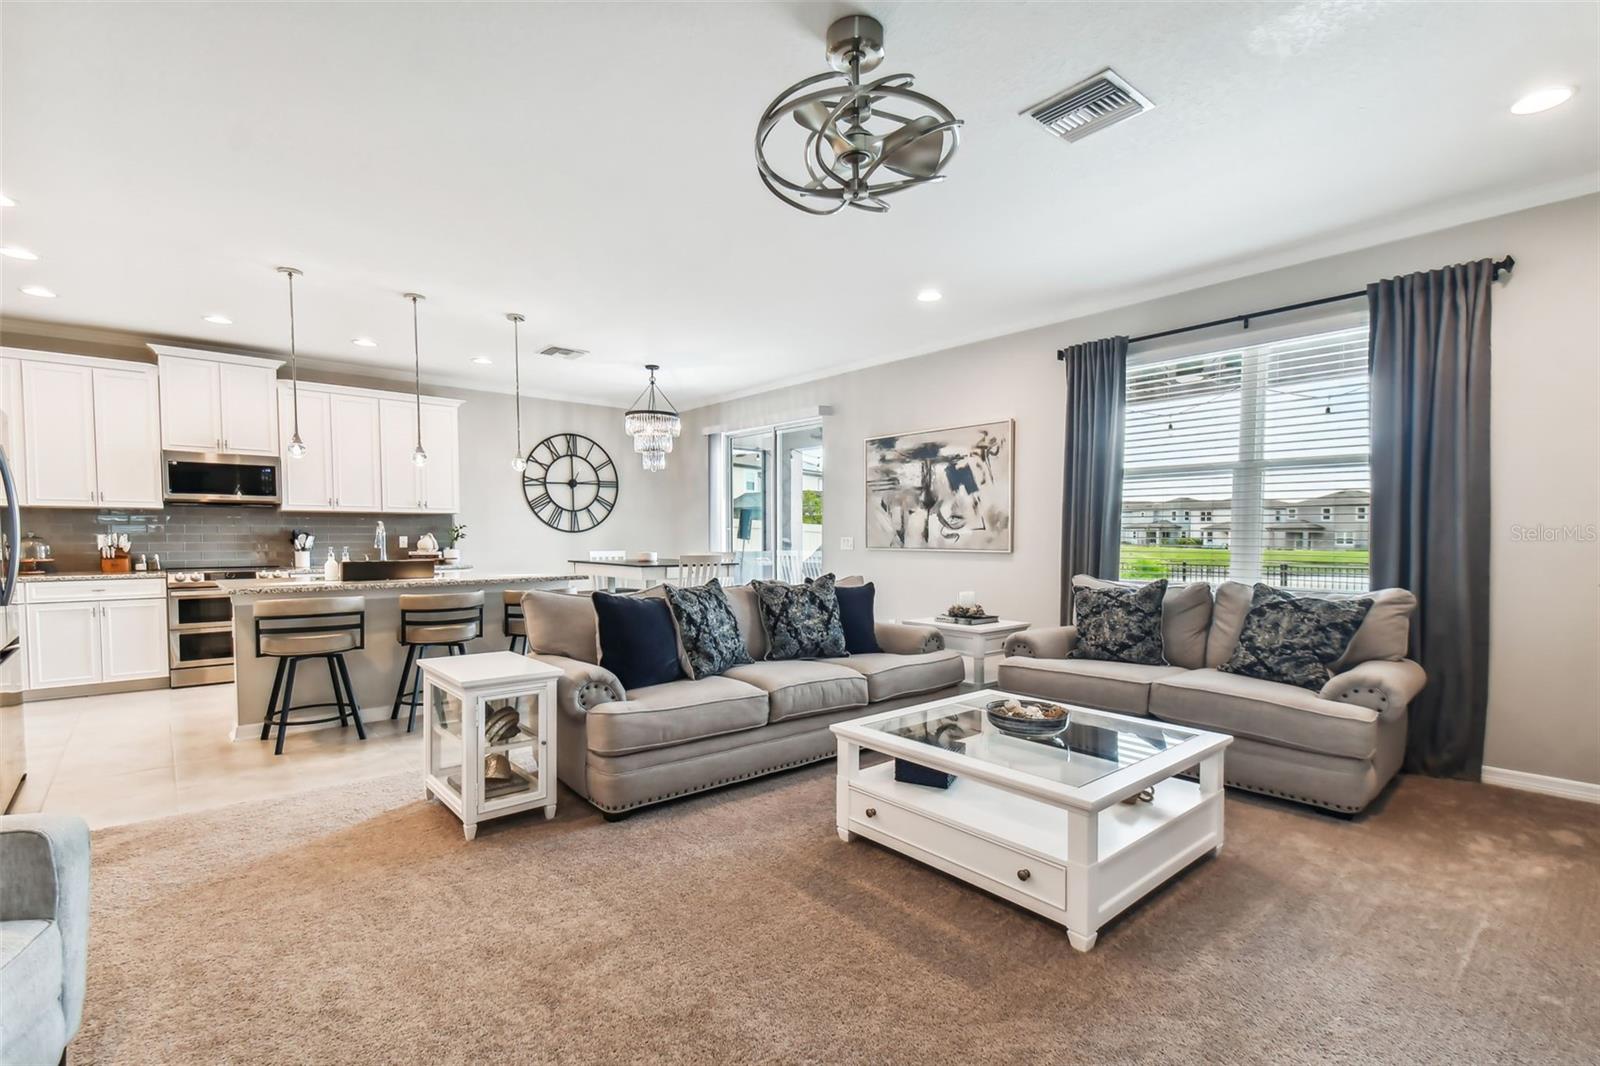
(1024, 874)
(872, 812)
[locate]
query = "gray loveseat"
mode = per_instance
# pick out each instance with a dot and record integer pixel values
(44, 934)
(1336, 748)
(626, 749)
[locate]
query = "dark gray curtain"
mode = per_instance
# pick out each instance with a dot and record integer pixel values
(1091, 501)
(1429, 356)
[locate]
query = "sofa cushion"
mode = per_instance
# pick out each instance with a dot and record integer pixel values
(559, 623)
(30, 969)
(856, 617)
(1230, 603)
(1107, 686)
(1385, 632)
(747, 612)
(657, 716)
(707, 629)
(1294, 639)
(1185, 618)
(638, 640)
(1120, 623)
(801, 621)
(801, 687)
(891, 676)
(1265, 710)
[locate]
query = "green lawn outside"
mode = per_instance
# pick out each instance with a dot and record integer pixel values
(1219, 556)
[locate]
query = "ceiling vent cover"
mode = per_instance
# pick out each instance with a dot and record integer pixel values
(1089, 106)
(555, 351)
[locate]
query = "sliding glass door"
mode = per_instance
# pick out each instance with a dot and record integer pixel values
(774, 502)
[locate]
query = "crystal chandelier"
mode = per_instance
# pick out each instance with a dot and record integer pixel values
(652, 423)
(857, 152)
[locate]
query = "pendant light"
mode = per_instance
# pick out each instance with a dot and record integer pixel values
(418, 456)
(652, 423)
(519, 462)
(297, 447)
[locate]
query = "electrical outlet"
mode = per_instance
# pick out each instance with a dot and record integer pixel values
(405, 542)
(847, 544)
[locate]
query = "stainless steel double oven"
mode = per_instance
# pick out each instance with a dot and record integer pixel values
(200, 627)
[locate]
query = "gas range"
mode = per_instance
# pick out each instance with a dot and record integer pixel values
(200, 624)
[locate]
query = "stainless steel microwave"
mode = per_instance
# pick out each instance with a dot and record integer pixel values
(206, 477)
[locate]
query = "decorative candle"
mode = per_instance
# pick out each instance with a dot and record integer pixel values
(967, 599)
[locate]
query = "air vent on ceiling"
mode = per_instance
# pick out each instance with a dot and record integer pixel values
(555, 351)
(1089, 106)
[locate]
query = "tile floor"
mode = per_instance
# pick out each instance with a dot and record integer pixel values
(138, 755)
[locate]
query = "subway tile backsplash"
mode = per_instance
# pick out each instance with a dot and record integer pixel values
(191, 536)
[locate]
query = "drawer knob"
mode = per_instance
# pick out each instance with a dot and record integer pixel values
(1023, 875)
(872, 812)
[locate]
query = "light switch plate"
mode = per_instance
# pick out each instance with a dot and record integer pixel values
(405, 542)
(847, 544)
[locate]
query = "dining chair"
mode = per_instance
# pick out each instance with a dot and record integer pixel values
(698, 569)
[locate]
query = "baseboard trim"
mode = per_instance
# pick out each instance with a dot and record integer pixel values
(1584, 791)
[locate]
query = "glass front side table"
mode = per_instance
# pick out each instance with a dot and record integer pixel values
(489, 720)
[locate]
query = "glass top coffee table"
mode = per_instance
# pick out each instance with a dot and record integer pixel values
(1076, 827)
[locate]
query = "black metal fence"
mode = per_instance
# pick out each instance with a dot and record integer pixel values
(1300, 577)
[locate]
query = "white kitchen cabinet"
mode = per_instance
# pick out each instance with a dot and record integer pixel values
(356, 453)
(308, 480)
(435, 487)
(63, 644)
(133, 639)
(127, 438)
(58, 433)
(214, 402)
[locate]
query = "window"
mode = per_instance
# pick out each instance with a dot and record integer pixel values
(767, 501)
(1252, 437)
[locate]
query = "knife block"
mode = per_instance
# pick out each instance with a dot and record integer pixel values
(122, 564)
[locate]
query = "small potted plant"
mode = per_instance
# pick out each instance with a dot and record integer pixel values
(452, 553)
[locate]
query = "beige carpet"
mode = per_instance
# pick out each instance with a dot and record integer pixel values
(1458, 923)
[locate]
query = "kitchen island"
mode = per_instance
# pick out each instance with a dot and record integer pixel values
(375, 669)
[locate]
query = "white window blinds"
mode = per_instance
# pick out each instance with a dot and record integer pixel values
(1250, 463)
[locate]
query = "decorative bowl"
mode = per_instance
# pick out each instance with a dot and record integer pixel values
(1028, 718)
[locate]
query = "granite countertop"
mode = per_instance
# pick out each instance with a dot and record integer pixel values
(91, 575)
(279, 586)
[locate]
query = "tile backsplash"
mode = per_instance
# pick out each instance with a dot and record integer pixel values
(189, 536)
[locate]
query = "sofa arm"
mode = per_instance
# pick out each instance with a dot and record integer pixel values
(1051, 642)
(44, 874)
(1380, 684)
(582, 685)
(899, 638)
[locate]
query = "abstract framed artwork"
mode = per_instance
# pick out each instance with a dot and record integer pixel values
(942, 489)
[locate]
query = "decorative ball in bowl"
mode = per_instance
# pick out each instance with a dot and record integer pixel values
(1027, 718)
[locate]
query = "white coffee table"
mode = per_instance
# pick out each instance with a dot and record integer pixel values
(976, 642)
(1039, 823)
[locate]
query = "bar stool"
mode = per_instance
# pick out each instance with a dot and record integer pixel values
(312, 627)
(516, 626)
(433, 620)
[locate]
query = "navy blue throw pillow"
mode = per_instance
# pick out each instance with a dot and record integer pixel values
(637, 640)
(855, 614)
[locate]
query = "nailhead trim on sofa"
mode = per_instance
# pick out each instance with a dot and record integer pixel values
(718, 784)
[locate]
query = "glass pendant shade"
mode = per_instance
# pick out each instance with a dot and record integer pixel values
(518, 463)
(297, 447)
(419, 457)
(652, 423)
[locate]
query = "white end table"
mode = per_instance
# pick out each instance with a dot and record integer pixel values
(489, 720)
(977, 642)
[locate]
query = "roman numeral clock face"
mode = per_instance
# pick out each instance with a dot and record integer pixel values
(570, 483)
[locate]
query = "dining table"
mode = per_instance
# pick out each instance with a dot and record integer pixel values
(608, 574)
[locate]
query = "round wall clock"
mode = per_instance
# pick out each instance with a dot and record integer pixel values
(570, 482)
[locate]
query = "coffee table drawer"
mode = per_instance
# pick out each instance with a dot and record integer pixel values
(963, 848)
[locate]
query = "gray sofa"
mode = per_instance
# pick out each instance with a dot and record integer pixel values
(44, 935)
(626, 749)
(1336, 748)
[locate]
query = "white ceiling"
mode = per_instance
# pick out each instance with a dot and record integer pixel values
(591, 166)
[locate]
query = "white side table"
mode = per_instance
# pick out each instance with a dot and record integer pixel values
(976, 642)
(489, 720)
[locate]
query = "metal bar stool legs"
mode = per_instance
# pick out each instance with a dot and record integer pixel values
(292, 631)
(433, 620)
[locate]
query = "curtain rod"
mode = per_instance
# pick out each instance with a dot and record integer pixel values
(1503, 265)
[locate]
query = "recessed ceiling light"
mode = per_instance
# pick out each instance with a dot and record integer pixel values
(364, 342)
(483, 360)
(219, 320)
(929, 296)
(6, 201)
(11, 251)
(39, 291)
(1543, 100)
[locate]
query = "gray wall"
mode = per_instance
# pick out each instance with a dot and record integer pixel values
(1544, 671)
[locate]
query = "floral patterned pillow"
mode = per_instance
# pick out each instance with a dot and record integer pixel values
(1294, 640)
(707, 628)
(802, 621)
(1120, 624)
